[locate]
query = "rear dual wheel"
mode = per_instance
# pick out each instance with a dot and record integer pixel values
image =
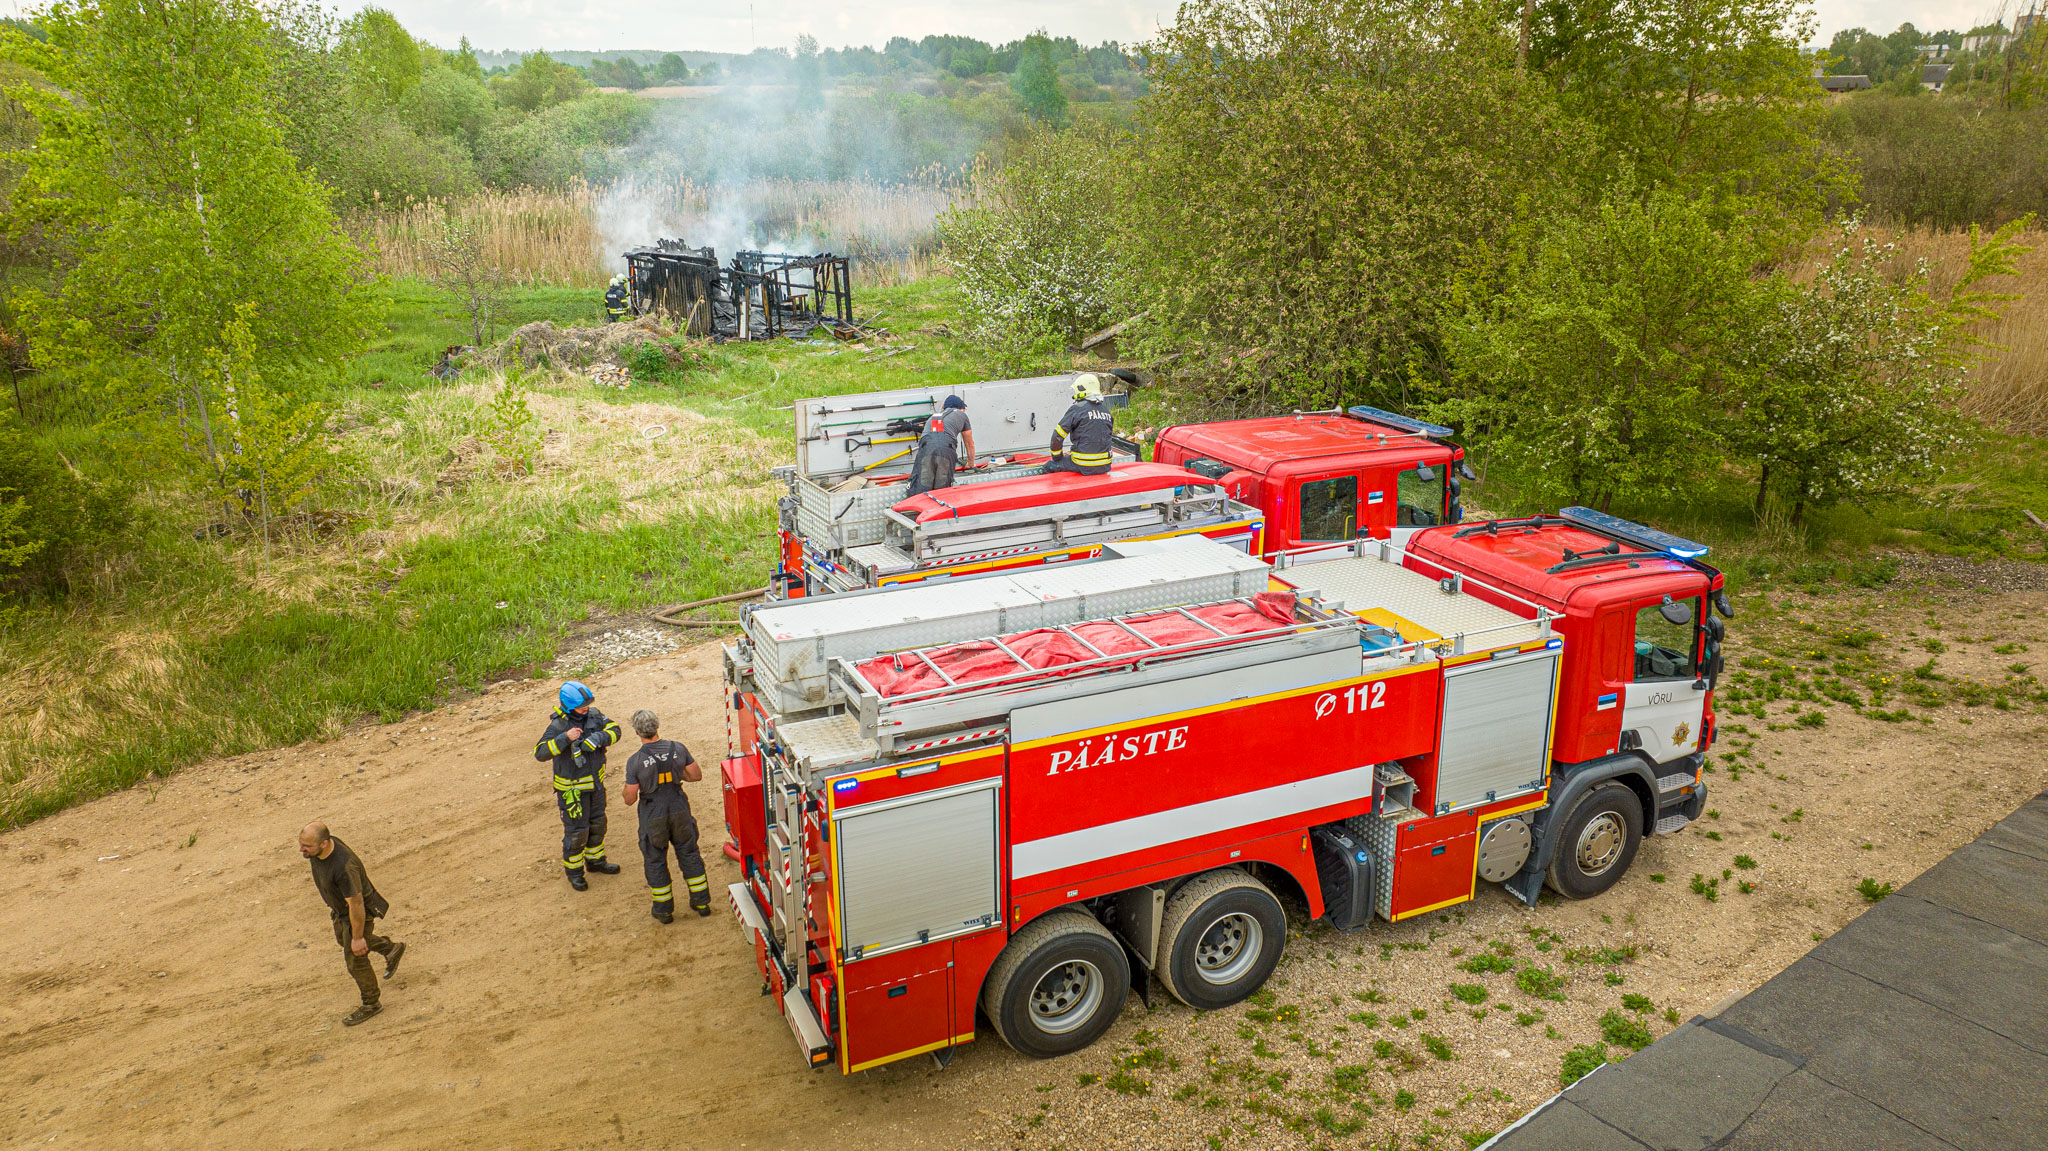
(1057, 986)
(1219, 939)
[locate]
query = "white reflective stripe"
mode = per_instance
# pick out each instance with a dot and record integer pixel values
(1143, 832)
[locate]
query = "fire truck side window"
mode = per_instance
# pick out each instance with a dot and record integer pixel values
(1663, 649)
(1420, 501)
(1329, 509)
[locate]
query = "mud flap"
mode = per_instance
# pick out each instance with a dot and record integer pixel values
(1141, 975)
(1524, 886)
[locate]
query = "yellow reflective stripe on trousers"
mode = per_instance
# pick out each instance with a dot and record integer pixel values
(701, 883)
(662, 893)
(1089, 459)
(573, 861)
(581, 783)
(594, 851)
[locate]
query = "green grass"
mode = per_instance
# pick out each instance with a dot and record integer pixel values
(1580, 1062)
(256, 655)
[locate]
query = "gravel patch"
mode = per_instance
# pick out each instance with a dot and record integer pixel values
(612, 648)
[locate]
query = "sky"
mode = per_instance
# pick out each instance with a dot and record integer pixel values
(737, 26)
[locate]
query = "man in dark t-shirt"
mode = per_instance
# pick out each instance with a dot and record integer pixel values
(654, 783)
(352, 901)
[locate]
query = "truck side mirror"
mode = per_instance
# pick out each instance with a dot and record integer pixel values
(1722, 605)
(1675, 613)
(1465, 469)
(1425, 473)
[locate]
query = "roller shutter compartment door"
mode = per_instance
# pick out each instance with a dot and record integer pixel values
(1496, 730)
(917, 870)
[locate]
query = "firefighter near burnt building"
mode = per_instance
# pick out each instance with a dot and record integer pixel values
(574, 743)
(655, 775)
(1022, 791)
(1081, 441)
(617, 300)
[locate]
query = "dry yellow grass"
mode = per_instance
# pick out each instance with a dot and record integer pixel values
(118, 665)
(573, 237)
(2009, 388)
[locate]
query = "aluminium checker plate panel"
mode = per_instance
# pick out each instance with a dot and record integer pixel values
(1363, 582)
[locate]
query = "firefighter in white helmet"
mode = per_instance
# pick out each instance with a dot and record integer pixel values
(615, 300)
(1081, 441)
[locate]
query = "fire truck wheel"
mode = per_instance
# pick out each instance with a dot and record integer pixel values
(1057, 986)
(1597, 842)
(1220, 937)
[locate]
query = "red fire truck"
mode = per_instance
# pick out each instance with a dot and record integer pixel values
(1018, 793)
(1263, 485)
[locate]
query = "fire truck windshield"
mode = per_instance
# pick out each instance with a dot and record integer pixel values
(1663, 649)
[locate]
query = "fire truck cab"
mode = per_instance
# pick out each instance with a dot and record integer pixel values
(1018, 796)
(1328, 477)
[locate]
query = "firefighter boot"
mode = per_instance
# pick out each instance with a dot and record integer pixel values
(664, 914)
(701, 904)
(577, 881)
(594, 860)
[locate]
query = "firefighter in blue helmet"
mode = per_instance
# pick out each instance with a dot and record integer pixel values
(575, 740)
(1081, 441)
(615, 298)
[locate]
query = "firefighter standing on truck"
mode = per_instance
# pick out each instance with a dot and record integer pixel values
(615, 300)
(575, 740)
(1081, 441)
(939, 448)
(654, 783)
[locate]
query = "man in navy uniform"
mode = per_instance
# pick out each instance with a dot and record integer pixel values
(654, 783)
(1081, 441)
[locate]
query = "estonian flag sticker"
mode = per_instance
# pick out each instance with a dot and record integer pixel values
(1608, 700)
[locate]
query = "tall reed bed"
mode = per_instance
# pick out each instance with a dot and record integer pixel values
(2008, 389)
(573, 237)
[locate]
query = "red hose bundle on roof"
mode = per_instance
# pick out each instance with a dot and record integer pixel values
(1043, 649)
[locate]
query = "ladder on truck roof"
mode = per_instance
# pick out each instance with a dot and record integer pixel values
(916, 720)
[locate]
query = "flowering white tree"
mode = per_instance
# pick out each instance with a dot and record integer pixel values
(1034, 245)
(1852, 378)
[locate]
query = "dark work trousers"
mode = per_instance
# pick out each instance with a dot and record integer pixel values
(583, 825)
(658, 834)
(359, 965)
(1063, 464)
(934, 465)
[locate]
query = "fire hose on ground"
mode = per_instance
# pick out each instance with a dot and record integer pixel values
(668, 615)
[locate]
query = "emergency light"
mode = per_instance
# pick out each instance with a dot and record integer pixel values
(847, 784)
(1614, 527)
(1396, 420)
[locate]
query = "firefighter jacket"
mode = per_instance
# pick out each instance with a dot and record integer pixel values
(1083, 434)
(615, 300)
(598, 734)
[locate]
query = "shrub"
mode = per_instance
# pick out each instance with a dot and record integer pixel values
(1638, 1003)
(48, 513)
(1580, 1062)
(1872, 891)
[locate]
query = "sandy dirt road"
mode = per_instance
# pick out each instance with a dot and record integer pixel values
(168, 978)
(159, 995)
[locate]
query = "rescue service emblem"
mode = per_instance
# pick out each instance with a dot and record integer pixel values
(1678, 737)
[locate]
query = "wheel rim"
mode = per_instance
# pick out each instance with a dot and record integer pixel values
(1066, 997)
(1600, 843)
(1229, 948)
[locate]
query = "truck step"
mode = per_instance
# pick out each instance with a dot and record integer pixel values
(1669, 824)
(1673, 782)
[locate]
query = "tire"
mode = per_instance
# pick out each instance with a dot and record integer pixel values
(1057, 986)
(1597, 842)
(1219, 939)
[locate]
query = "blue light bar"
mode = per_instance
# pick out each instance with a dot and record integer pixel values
(847, 784)
(1650, 539)
(1555, 643)
(1396, 420)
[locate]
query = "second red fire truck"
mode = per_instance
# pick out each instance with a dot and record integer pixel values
(1011, 796)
